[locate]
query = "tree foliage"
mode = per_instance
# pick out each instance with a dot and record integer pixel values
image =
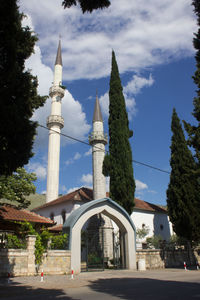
(183, 190)
(118, 164)
(17, 186)
(87, 5)
(194, 130)
(18, 93)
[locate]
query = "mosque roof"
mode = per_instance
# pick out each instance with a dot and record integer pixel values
(84, 195)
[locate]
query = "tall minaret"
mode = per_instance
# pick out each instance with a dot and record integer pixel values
(98, 141)
(55, 123)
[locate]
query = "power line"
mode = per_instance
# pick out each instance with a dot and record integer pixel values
(85, 143)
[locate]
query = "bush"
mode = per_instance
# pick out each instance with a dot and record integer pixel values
(59, 242)
(13, 242)
(154, 242)
(141, 233)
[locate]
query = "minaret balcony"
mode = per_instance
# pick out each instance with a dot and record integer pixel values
(56, 90)
(98, 136)
(55, 120)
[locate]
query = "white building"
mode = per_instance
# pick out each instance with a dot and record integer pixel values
(144, 214)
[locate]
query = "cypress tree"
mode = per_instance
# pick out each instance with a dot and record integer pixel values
(118, 164)
(194, 130)
(183, 190)
(18, 93)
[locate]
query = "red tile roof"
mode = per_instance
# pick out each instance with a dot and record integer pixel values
(10, 213)
(85, 195)
(143, 205)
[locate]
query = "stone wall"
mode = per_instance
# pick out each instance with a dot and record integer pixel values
(153, 259)
(22, 262)
(56, 262)
(158, 259)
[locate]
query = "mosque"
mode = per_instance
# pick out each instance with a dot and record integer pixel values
(59, 209)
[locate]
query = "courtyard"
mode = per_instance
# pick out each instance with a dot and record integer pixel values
(110, 284)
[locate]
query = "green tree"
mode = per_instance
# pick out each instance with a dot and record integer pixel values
(17, 186)
(18, 93)
(183, 190)
(118, 164)
(87, 5)
(194, 130)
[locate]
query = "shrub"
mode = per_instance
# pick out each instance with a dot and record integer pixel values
(59, 242)
(13, 242)
(154, 242)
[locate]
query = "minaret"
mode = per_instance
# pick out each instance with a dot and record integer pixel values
(98, 141)
(55, 123)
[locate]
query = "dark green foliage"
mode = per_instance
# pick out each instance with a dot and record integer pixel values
(87, 5)
(183, 190)
(154, 242)
(194, 131)
(18, 93)
(118, 164)
(59, 242)
(17, 187)
(14, 242)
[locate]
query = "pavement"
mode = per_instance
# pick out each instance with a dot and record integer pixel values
(173, 284)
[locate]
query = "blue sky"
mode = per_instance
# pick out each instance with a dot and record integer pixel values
(153, 46)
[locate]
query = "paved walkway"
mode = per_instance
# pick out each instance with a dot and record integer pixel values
(121, 284)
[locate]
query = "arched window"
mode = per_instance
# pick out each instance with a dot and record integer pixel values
(63, 216)
(52, 216)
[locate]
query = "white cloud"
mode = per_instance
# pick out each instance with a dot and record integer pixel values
(132, 88)
(143, 34)
(137, 83)
(38, 169)
(72, 189)
(76, 156)
(140, 186)
(89, 152)
(86, 178)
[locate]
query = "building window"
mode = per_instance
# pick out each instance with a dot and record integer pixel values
(52, 216)
(63, 216)
(161, 227)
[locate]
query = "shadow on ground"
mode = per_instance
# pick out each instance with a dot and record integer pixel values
(17, 291)
(145, 288)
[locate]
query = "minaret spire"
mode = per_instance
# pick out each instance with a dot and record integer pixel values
(97, 111)
(59, 55)
(55, 123)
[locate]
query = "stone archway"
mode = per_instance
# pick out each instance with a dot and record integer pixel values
(114, 211)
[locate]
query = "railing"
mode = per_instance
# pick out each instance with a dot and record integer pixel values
(98, 136)
(55, 119)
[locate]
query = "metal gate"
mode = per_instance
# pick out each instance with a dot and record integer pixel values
(93, 252)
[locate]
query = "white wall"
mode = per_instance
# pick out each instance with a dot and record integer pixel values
(154, 221)
(57, 210)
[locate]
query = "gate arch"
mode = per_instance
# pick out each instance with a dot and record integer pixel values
(114, 211)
